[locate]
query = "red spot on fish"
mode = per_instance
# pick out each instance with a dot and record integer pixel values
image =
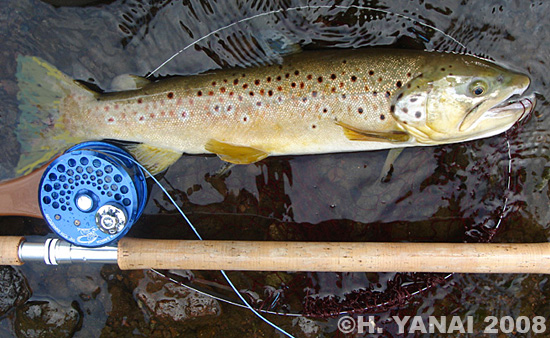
(110, 119)
(222, 89)
(123, 116)
(302, 85)
(183, 114)
(106, 108)
(213, 83)
(309, 76)
(116, 106)
(341, 84)
(191, 101)
(210, 93)
(245, 85)
(140, 101)
(162, 113)
(257, 82)
(178, 102)
(245, 119)
(231, 93)
(141, 118)
(152, 115)
(279, 88)
(262, 92)
(333, 89)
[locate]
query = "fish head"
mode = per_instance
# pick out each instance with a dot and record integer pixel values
(459, 98)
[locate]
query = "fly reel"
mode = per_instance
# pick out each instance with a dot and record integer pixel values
(92, 194)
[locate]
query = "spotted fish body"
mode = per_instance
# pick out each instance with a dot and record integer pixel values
(315, 102)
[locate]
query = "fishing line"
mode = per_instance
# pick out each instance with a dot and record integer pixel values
(200, 238)
(282, 10)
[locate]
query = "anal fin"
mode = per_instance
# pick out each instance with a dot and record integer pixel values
(356, 134)
(234, 153)
(154, 159)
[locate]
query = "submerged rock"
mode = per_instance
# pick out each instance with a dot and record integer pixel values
(46, 319)
(15, 290)
(171, 302)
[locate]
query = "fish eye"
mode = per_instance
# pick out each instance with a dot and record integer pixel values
(478, 88)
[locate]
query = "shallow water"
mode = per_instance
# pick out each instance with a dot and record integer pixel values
(452, 193)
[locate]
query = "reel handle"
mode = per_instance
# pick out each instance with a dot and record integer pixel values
(18, 197)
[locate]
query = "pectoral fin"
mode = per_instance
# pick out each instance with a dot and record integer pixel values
(154, 159)
(387, 169)
(355, 134)
(235, 154)
(128, 82)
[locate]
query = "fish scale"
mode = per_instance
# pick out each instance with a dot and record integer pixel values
(314, 102)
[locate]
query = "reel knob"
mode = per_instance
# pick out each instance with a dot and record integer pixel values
(92, 194)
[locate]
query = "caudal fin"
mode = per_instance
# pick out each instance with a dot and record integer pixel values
(41, 130)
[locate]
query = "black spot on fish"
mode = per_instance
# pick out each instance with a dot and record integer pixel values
(170, 95)
(257, 82)
(333, 76)
(413, 99)
(374, 93)
(442, 69)
(214, 83)
(418, 114)
(353, 78)
(278, 78)
(360, 110)
(251, 93)
(399, 96)
(199, 93)
(259, 104)
(236, 82)
(268, 79)
(245, 85)
(398, 84)
(388, 94)
(287, 75)
(320, 79)
(296, 72)
(270, 92)
(309, 76)
(293, 84)
(314, 93)
(313, 126)
(382, 117)
(371, 72)
(405, 110)
(392, 108)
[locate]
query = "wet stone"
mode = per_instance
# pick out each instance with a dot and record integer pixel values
(46, 319)
(15, 290)
(170, 302)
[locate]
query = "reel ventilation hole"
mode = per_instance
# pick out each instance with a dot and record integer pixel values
(92, 194)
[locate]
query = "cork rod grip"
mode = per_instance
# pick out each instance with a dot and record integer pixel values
(333, 256)
(9, 250)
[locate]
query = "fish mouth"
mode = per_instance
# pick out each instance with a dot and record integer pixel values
(514, 107)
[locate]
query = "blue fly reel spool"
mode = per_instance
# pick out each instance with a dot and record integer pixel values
(92, 194)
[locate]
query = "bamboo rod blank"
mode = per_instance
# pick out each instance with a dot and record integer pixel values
(332, 256)
(9, 250)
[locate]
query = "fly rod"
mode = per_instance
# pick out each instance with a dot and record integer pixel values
(133, 253)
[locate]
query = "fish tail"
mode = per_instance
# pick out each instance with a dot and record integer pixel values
(41, 129)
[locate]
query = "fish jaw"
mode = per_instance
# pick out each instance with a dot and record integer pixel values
(505, 109)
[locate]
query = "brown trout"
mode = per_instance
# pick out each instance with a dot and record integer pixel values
(314, 102)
